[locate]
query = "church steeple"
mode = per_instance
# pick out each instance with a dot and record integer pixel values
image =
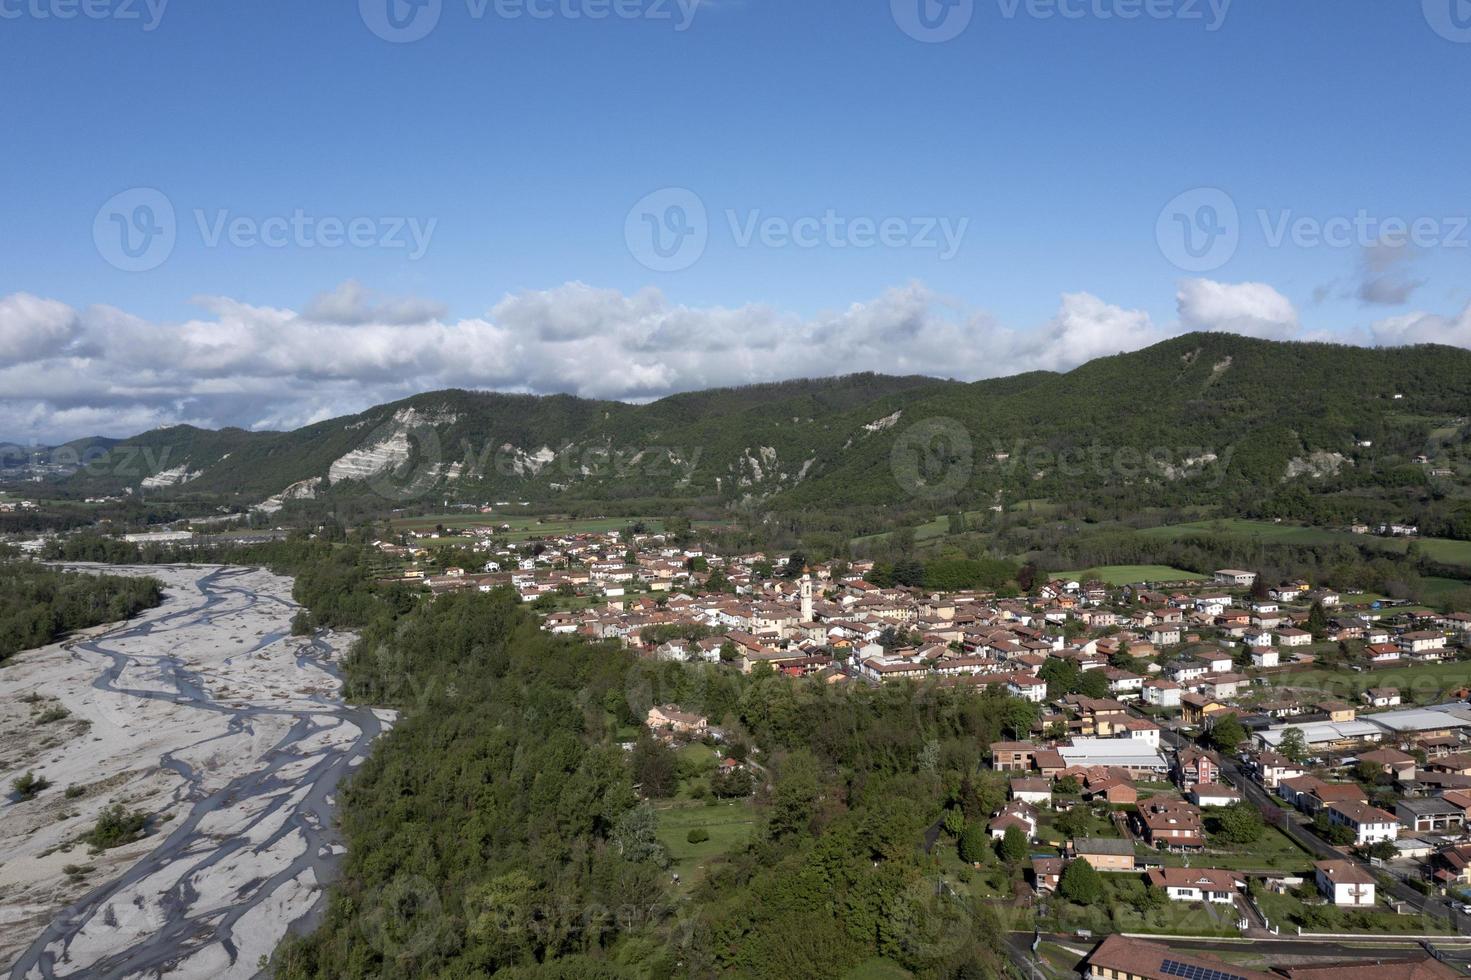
(806, 587)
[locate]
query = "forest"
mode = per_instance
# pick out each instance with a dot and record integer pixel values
(502, 826)
(39, 605)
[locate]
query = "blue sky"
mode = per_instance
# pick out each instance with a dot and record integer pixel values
(520, 146)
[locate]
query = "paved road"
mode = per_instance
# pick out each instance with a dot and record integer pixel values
(200, 904)
(1305, 838)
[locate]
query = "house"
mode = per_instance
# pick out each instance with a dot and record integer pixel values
(1262, 657)
(670, 718)
(1382, 697)
(1290, 637)
(1196, 708)
(1196, 884)
(1171, 825)
(1390, 761)
(1345, 883)
(1018, 814)
(1028, 687)
(1162, 693)
(1031, 789)
(1012, 756)
(1121, 958)
(1193, 766)
(1214, 794)
(1164, 634)
(1382, 653)
(1369, 823)
(1421, 642)
(1104, 853)
(1434, 814)
(1272, 768)
(1142, 731)
(1046, 873)
(1452, 865)
(1234, 576)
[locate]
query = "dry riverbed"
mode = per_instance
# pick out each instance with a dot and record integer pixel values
(230, 734)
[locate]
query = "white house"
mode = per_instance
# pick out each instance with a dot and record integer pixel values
(1289, 637)
(1345, 883)
(1032, 789)
(1265, 657)
(1421, 642)
(1143, 731)
(1027, 687)
(1197, 884)
(1234, 576)
(1259, 636)
(1163, 693)
(1369, 823)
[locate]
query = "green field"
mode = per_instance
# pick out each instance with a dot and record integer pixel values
(1422, 682)
(1275, 851)
(1132, 574)
(729, 824)
(1440, 549)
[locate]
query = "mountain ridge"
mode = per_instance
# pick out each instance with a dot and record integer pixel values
(1214, 409)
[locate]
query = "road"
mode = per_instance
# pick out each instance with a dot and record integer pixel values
(1304, 837)
(254, 840)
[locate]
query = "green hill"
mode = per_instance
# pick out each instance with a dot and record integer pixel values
(1199, 418)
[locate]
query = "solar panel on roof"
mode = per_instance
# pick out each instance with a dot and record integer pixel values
(1188, 971)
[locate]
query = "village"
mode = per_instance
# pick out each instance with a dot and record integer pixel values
(1280, 759)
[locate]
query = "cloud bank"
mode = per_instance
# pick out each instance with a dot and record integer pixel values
(66, 372)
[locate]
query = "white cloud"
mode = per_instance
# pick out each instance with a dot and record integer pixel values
(32, 328)
(1423, 328)
(1250, 308)
(104, 371)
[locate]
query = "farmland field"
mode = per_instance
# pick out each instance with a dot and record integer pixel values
(728, 823)
(1440, 549)
(1132, 574)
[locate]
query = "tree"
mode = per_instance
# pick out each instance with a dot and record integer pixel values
(1227, 733)
(1093, 684)
(973, 842)
(794, 797)
(1318, 621)
(1383, 850)
(636, 838)
(1240, 823)
(1293, 745)
(1080, 883)
(1067, 786)
(655, 768)
(1013, 846)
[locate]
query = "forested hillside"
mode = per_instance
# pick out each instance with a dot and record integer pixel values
(1247, 424)
(500, 827)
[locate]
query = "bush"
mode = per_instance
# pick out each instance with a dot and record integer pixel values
(72, 792)
(115, 827)
(29, 785)
(54, 713)
(697, 835)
